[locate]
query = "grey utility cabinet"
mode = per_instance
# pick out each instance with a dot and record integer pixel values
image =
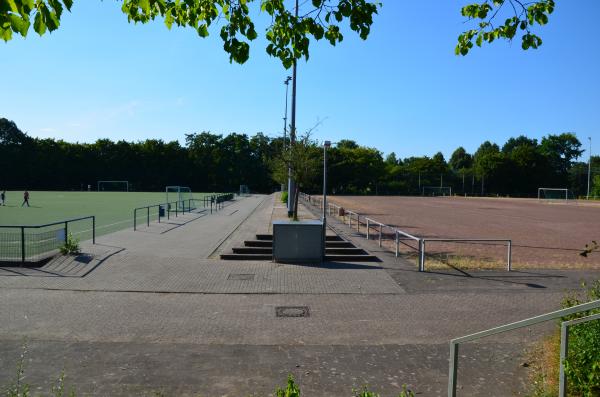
(298, 241)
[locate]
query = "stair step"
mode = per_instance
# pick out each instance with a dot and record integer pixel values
(264, 237)
(351, 258)
(253, 250)
(339, 244)
(345, 251)
(247, 257)
(258, 243)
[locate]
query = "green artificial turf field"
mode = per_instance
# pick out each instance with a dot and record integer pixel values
(113, 210)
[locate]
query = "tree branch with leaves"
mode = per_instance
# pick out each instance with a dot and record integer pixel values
(288, 35)
(519, 17)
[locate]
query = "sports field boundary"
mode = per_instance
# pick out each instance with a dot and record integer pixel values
(396, 235)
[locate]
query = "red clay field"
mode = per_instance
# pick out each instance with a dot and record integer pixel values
(543, 234)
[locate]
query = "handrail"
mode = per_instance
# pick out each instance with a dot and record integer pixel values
(453, 368)
(48, 224)
(66, 229)
(564, 349)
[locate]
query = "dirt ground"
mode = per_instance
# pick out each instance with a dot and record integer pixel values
(543, 234)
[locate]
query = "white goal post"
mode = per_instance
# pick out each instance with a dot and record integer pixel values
(113, 186)
(437, 191)
(179, 194)
(552, 193)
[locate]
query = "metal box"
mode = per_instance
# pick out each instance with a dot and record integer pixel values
(298, 241)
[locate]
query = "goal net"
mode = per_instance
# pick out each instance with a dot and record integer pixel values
(244, 190)
(113, 186)
(181, 196)
(555, 194)
(435, 191)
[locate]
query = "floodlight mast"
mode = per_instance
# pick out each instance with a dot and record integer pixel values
(326, 145)
(291, 182)
(589, 169)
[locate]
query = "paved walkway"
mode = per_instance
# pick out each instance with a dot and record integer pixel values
(156, 311)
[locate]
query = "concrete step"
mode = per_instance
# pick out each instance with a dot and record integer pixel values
(268, 237)
(351, 258)
(253, 250)
(339, 244)
(258, 243)
(247, 257)
(345, 251)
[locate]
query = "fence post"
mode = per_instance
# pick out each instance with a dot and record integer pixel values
(357, 222)
(22, 244)
(397, 242)
(422, 264)
(93, 229)
(368, 227)
(159, 213)
(168, 207)
(148, 216)
(134, 219)
(564, 348)
(453, 369)
(380, 233)
(66, 230)
(509, 255)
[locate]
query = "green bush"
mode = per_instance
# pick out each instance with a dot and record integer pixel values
(284, 197)
(291, 390)
(71, 246)
(582, 365)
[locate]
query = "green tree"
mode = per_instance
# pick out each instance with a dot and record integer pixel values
(460, 159)
(288, 36)
(561, 150)
(516, 17)
(487, 161)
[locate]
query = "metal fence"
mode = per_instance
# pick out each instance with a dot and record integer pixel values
(398, 238)
(32, 243)
(175, 208)
(454, 343)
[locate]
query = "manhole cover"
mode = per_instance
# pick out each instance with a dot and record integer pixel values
(292, 311)
(238, 276)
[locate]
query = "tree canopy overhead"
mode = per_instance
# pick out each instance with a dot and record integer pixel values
(288, 35)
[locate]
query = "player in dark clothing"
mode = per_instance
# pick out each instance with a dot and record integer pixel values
(25, 198)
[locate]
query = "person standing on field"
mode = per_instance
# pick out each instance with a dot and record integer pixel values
(3, 196)
(25, 198)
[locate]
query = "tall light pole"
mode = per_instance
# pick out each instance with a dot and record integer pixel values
(287, 84)
(291, 185)
(326, 145)
(589, 168)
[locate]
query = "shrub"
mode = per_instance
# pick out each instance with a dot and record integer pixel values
(71, 246)
(582, 365)
(291, 390)
(284, 197)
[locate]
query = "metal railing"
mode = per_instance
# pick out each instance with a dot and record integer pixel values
(352, 218)
(213, 201)
(36, 245)
(174, 206)
(564, 349)
(454, 343)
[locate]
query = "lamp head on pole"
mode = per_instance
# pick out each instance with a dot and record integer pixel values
(287, 80)
(327, 144)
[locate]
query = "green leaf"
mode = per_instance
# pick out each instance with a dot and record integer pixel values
(38, 24)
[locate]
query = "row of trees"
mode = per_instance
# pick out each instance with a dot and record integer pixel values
(211, 162)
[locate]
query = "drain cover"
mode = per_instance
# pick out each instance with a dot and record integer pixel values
(239, 276)
(292, 311)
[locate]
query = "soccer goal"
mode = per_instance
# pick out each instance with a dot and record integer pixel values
(435, 191)
(181, 195)
(244, 190)
(113, 186)
(548, 193)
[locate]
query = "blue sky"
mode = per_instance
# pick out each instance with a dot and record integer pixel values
(402, 90)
